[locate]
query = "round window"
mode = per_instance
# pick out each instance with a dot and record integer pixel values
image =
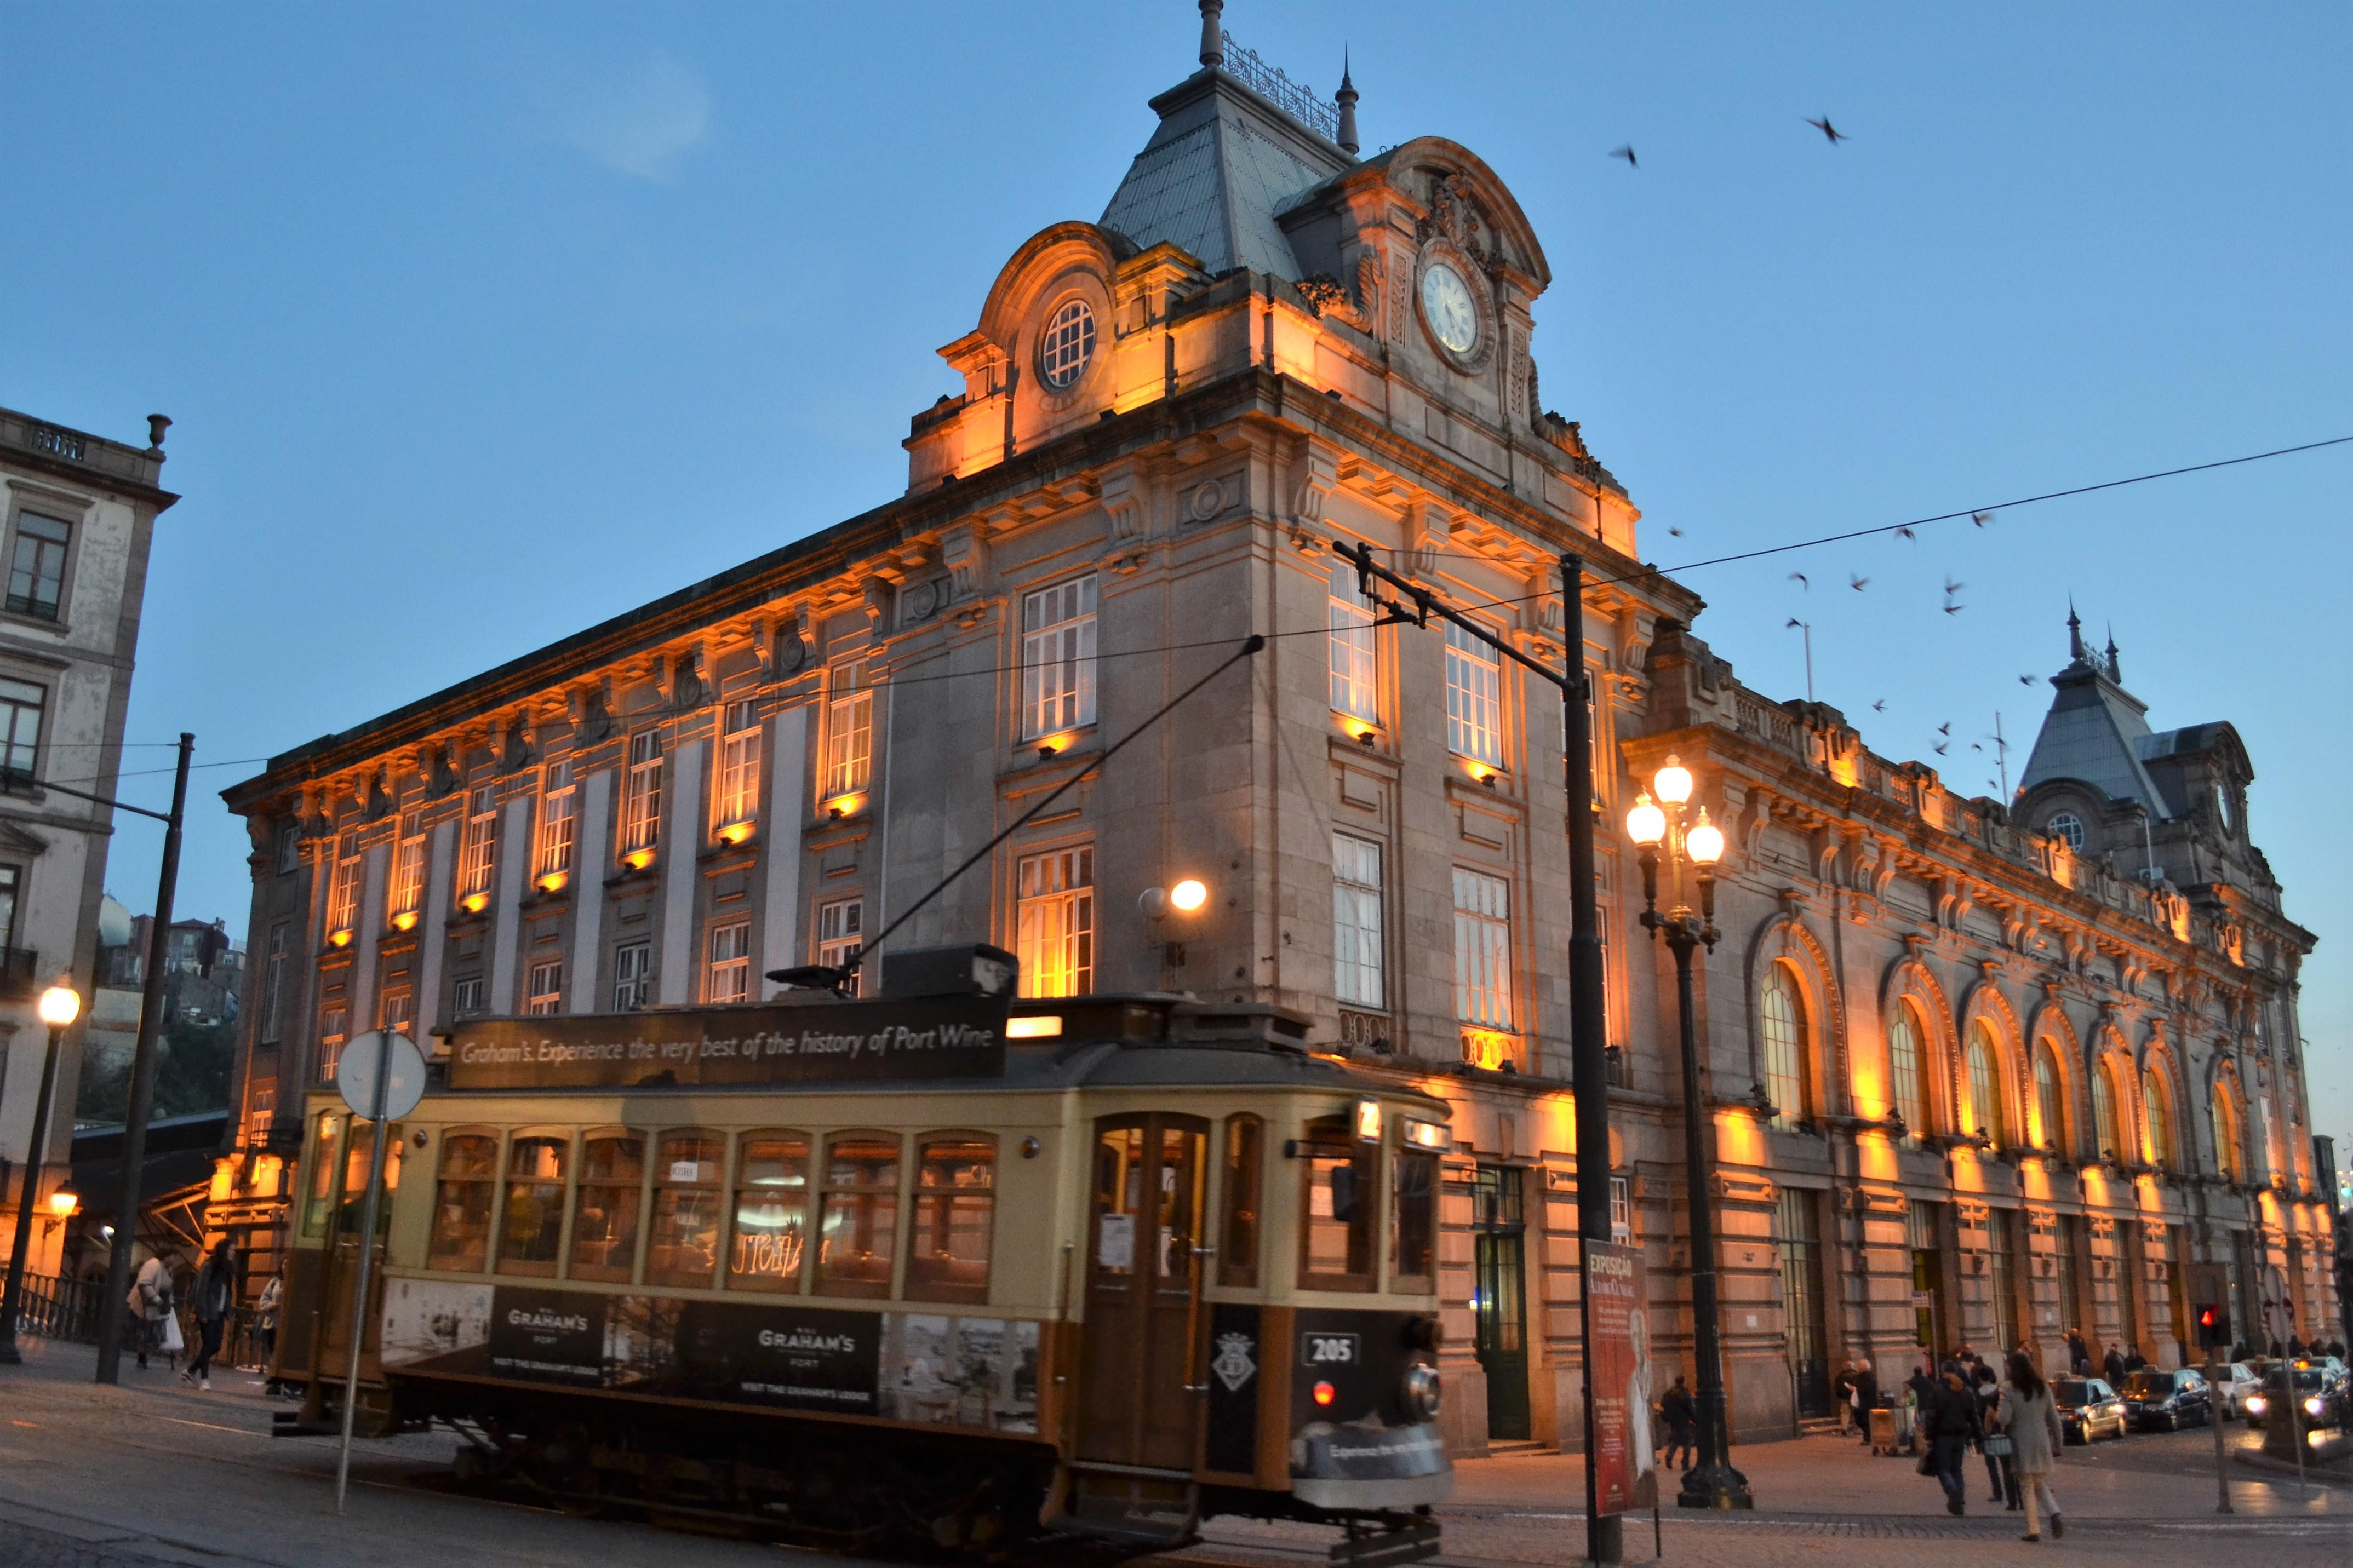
(1068, 345)
(2066, 824)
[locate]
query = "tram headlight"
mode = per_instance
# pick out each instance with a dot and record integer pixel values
(1423, 1393)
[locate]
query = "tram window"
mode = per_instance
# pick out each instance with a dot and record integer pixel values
(1413, 1224)
(532, 1237)
(319, 1199)
(772, 1173)
(461, 1204)
(1119, 1178)
(955, 1202)
(612, 1199)
(685, 1244)
(1343, 1177)
(859, 1232)
(1245, 1194)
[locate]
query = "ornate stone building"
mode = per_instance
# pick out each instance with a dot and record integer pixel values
(1266, 347)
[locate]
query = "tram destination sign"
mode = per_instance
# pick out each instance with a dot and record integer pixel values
(813, 1042)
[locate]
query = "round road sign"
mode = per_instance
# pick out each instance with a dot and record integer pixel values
(380, 1054)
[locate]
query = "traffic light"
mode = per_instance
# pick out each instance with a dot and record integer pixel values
(2210, 1303)
(2214, 1324)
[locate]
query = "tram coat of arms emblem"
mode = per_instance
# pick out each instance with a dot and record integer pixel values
(1233, 1365)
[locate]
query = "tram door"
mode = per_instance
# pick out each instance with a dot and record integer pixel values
(349, 1159)
(1143, 1294)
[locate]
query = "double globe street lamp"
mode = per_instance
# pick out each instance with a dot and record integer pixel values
(1652, 824)
(59, 1005)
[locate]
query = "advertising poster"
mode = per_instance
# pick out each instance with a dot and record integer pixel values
(788, 1355)
(961, 1372)
(1618, 1299)
(548, 1336)
(430, 1320)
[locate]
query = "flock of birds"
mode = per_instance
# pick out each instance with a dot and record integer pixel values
(1830, 133)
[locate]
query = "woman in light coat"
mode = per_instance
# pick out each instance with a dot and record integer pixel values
(2030, 1416)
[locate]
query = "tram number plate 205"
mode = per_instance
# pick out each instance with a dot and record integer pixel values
(1330, 1349)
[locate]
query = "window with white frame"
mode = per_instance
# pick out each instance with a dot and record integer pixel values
(739, 764)
(730, 978)
(21, 704)
(1483, 949)
(1621, 1210)
(849, 730)
(273, 986)
(1054, 922)
(1357, 970)
(344, 890)
(1355, 684)
(397, 1012)
(333, 1027)
(407, 869)
(558, 820)
(1058, 657)
(36, 570)
(641, 796)
(290, 847)
(466, 998)
(546, 992)
(1068, 344)
(1474, 686)
(480, 846)
(841, 925)
(633, 976)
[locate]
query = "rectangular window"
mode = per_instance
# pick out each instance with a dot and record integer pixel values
(1342, 1174)
(546, 993)
(37, 573)
(21, 703)
(956, 1208)
(1355, 687)
(839, 927)
(1058, 657)
(1482, 950)
(399, 1010)
(461, 1204)
(771, 1181)
(343, 892)
(605, 1228)
(479, 847)
(848, 731)
(633, 976)
(530, 1239)
(290, 849)
(1245, 1200)
(1474, 686)
(466, 998)
(859, 1232)
(1055, 922)
(333, 1026)
(730, 980)
(408, 872)
(739, 765)
(273, 987)
(1621, 1210)
(557, 821)
(641, 802)
(687, 1194)
(1356, 926)
(1413, 1226)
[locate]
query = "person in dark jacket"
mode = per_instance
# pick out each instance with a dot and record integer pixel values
(1867, 1398)
(1949, 1420)
(1842, 1394)
(1987, 1390)
(2079, 1355)
(2112, 1367)
(1682, 1416)
(209, 1298)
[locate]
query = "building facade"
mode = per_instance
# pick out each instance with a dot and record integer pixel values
(79, 512)
(1268, 348)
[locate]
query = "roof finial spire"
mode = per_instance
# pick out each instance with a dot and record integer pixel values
(2115, 670)
(1346, 98)
(1213, 33)
(2075, 631)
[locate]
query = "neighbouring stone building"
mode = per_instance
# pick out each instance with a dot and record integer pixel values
(76, 515)
(1267, 347)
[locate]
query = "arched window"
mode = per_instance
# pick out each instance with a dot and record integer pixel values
(2230, 1157)
(1985, 1117)
(2049, 1110)
(2157, 1110)
(2104, 1113)
(1907, 1089)
(1785, 1047)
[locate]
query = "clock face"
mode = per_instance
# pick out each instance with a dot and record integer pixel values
(1446, 303)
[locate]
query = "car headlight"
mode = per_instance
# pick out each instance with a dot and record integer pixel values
(2257, 1404)
(2312, 1405)
(1423, 1393)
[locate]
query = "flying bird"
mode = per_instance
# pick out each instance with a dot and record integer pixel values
(1880, 706)
(1955, 609)
(1627, 153)
(1799, 579)
(1857, 584)
(1792, 621)
(2026, 681)
(1676, 531)
(1980, 518)
(1906, 533)
(1945, 728)
(1832, 131)
(1952, 587)
(1943, 746)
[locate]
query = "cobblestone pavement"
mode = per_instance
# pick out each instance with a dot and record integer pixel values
(152, 1472)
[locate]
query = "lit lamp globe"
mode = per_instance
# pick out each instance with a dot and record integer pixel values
(1704, 842)
(1674, 782)
(1188, 896)
(1645, 822)
(63, 1202)
(60, 1005)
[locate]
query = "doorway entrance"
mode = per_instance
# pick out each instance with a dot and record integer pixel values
(1499, 1306)
(1800, 1237)
(1143, 1294)
(1923, 1226)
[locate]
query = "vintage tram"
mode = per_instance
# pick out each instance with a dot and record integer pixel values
(936, 1264)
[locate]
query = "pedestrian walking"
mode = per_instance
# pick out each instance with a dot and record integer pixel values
(1867, 1398)
(2112, 1367)
(1994, 1445)
(1949, 1419)
(1682, 1417)
(151, 1307)
(2079, 1355)
(2030, 1416)
(265, 1322)
(210, 1295)
(2134, 1362)
(1842, 1394)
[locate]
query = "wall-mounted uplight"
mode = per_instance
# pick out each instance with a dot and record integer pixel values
(404, 919)
(1481, 772)
(554, 881)
(637, 859)
(340, 938)
(1364, 734)
(735, 833)
(845, 806)
(474, 903)
(1044, 1027)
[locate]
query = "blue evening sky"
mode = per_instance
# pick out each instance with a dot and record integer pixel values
(481, 324)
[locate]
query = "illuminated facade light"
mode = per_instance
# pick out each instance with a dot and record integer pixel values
(735, 833)
(474, 903)
(340, 938)
(1188, 896)
(637, 859)
(1043, 1027)
(554, 881)
(405, 921)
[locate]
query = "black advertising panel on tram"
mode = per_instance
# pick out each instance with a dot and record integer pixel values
(811, 1042)
(548, 1336)
(802, 1358)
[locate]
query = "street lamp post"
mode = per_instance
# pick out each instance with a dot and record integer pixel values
(60, 1005)
(1712, 1482)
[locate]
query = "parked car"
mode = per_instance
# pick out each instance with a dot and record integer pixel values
(2088, 1407)
(2322, 1385)
(2168, 1400)
(2252, 1403)
(2237, 1381)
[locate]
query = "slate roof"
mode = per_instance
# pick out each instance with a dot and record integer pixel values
(1221, 164)
(2094, 732)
